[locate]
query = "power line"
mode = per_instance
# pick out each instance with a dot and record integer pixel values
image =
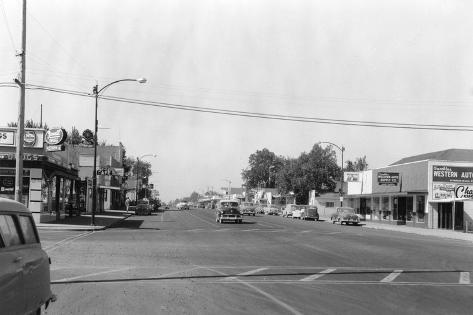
(306, 119)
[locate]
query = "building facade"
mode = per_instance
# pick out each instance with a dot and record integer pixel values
(433, 190)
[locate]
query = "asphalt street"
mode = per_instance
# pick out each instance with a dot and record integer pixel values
(183, 262)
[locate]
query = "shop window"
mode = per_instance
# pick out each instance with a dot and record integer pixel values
(385, 213)
(395, 208)
(409, 208)
(420, 202)
(329, 204)
(375, 207)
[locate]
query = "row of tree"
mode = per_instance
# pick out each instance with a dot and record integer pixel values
(316, 170)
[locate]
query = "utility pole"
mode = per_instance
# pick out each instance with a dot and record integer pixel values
(21, 113)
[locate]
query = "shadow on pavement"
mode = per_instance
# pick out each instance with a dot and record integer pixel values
(127, 224)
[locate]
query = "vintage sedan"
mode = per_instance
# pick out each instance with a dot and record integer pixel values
(143, 207)
(310, 213)
(25, 283)
(345, 215)
(272, 210)
(228, 210)
(248, 208)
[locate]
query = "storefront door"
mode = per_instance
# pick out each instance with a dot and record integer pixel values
(445, 216)
(459, 216)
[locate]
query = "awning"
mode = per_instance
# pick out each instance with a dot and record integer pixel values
(110, 187)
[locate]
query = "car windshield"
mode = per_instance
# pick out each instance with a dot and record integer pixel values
(347, 210)
(229, 204)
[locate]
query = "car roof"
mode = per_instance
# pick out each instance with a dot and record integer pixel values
(228, 200)
(12, 205)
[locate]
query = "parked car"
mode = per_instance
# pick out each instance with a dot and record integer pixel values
(248, 208)
(271, 210)
(310, 213)
(182, 206)
(228, 210)
(287, 211)
(143, 207)
(345, 215)
(24, 266)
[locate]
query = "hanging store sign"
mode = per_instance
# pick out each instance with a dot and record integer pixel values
(29, 138)
(56, 136)
(55, 148)
(464, 191)
(388, 179)
(452, 174)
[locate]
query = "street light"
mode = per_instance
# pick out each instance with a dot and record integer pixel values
(138, 161)
(342, 149)
(97, 92)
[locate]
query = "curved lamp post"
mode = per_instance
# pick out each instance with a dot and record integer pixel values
(97, 92)
(137, 171)
(342, 149)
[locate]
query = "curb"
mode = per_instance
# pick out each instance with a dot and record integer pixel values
(85, 228)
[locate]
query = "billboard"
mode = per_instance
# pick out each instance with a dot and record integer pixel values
(452, 174)
(351, 176)
(388, 178)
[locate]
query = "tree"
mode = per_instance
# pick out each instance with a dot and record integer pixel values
(28, 124)
(262, 170)
(194, 197)
(360, 164)
(315, 170)
(74, 137)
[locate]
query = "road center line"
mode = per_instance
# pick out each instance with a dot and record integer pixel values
(392, 276)
(318, 275)
(67, 241)
(90, 275)
(247, 273)
(464, 278)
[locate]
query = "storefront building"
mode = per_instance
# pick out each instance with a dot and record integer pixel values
(433, 190)
(48, 183)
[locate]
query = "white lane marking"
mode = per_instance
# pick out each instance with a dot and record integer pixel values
(464, 278)
(393, 275)
(267, 295)
(318, 275)
(306, 231)
(67, 240)
(247, 273)
(91, 274)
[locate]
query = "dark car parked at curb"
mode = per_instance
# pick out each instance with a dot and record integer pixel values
(345, 215)
(24, 266)
(143, 207)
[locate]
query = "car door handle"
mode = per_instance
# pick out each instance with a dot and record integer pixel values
(18, 259)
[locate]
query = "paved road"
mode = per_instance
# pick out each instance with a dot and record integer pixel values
(183, 262)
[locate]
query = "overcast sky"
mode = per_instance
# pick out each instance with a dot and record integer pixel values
(375, 60)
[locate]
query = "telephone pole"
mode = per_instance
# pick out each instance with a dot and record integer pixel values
(21, 113)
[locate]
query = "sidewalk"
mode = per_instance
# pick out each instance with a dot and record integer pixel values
(83, 222)
(457, 235)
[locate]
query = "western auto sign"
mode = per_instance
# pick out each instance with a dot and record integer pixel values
(464, 191)
(56, 136)
(455, 174)
(388, 179)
